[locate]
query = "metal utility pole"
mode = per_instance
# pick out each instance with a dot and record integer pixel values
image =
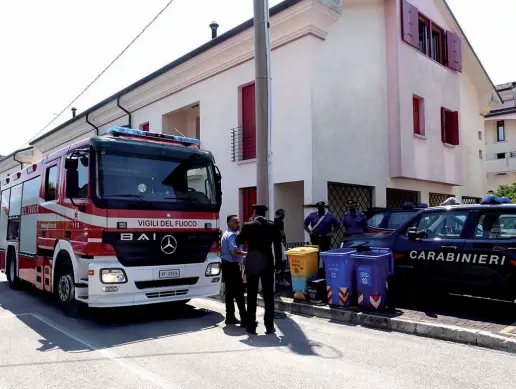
(262, 100)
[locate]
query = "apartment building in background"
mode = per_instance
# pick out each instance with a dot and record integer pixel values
(501, 140)
(380, 101)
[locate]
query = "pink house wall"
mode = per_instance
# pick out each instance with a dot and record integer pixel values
(409, 73)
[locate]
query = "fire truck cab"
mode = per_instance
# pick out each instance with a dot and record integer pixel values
(126, 218)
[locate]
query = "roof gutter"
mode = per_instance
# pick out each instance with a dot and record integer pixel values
(14, 153)
(91, 124)
(123, 109)
(472, 50)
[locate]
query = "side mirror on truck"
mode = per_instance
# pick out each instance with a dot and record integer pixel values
(218, 185)
(71, 163)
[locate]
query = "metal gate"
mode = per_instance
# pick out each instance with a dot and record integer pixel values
(471, 200)
(338, 194)
(437, 199)
(397, 197)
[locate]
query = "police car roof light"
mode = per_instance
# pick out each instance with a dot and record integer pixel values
(115, 131)
(505, 200)
(491, 199)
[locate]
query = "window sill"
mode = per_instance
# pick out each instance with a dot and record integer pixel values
(420, 136)
(433, 60)
(246, 161)
(449, 145)
(500, 141)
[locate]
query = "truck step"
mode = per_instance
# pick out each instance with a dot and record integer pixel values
(83, 281)
(82, 299)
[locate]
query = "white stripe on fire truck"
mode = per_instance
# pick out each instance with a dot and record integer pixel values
(62, 213)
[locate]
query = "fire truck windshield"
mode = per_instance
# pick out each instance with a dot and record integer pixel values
(151, 176)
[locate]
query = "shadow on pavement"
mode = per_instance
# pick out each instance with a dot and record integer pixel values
(101, 328)
(294, 338)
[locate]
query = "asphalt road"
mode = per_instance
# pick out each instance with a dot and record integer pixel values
(162, 347)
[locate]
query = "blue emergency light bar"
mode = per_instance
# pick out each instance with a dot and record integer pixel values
(115, 131)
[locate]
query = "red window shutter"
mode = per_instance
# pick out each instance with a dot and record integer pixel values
(417, 119)
(453, 51)
(409, 23)
(443, 125)
(248, 122)
(452, 131)
(248, 200)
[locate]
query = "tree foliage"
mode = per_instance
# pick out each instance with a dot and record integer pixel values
(508, 191)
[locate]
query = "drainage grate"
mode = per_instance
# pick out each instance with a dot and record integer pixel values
(280, 315)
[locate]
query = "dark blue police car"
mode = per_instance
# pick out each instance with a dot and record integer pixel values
(464, 249)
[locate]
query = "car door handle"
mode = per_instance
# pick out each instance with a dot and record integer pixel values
(449, 247)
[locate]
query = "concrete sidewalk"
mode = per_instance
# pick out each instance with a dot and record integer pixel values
(492, 333)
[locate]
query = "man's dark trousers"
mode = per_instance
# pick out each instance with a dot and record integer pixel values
(324, 243)
(267, 278)
(234, 289)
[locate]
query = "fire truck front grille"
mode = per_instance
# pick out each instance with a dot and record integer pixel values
(145, 248)
(163, 283)
(168, 293)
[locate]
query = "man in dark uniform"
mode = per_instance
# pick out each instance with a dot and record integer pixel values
(260, 234)
(320, 225)
(354, 222)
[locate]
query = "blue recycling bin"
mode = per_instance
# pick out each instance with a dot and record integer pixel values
(373, 269)
(340, 276)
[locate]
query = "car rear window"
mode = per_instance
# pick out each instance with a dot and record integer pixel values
(376, 219)
(398, 218)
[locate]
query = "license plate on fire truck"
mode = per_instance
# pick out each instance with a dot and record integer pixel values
(170, 273)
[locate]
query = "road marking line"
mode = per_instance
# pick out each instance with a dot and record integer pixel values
(135, 369)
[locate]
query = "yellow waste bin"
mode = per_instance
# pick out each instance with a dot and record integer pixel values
(304, 262)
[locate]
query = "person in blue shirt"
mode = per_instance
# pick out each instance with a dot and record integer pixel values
(232, 255)
(320, 225)
(354, 222)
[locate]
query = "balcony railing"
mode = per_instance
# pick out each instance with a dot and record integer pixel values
(243, 144)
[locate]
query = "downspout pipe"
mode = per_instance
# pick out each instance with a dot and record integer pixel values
(91, 124)
(123, 109)
(20, 162)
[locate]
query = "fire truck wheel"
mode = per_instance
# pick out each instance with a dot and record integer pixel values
(14, 281)
(65, 289)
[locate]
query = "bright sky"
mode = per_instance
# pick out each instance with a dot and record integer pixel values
(52, 49)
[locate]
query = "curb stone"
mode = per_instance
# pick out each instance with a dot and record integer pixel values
(444, 332)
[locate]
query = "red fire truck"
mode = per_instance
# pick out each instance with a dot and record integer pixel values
(121, 219)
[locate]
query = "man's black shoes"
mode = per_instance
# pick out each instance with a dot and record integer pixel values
(232, 321)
